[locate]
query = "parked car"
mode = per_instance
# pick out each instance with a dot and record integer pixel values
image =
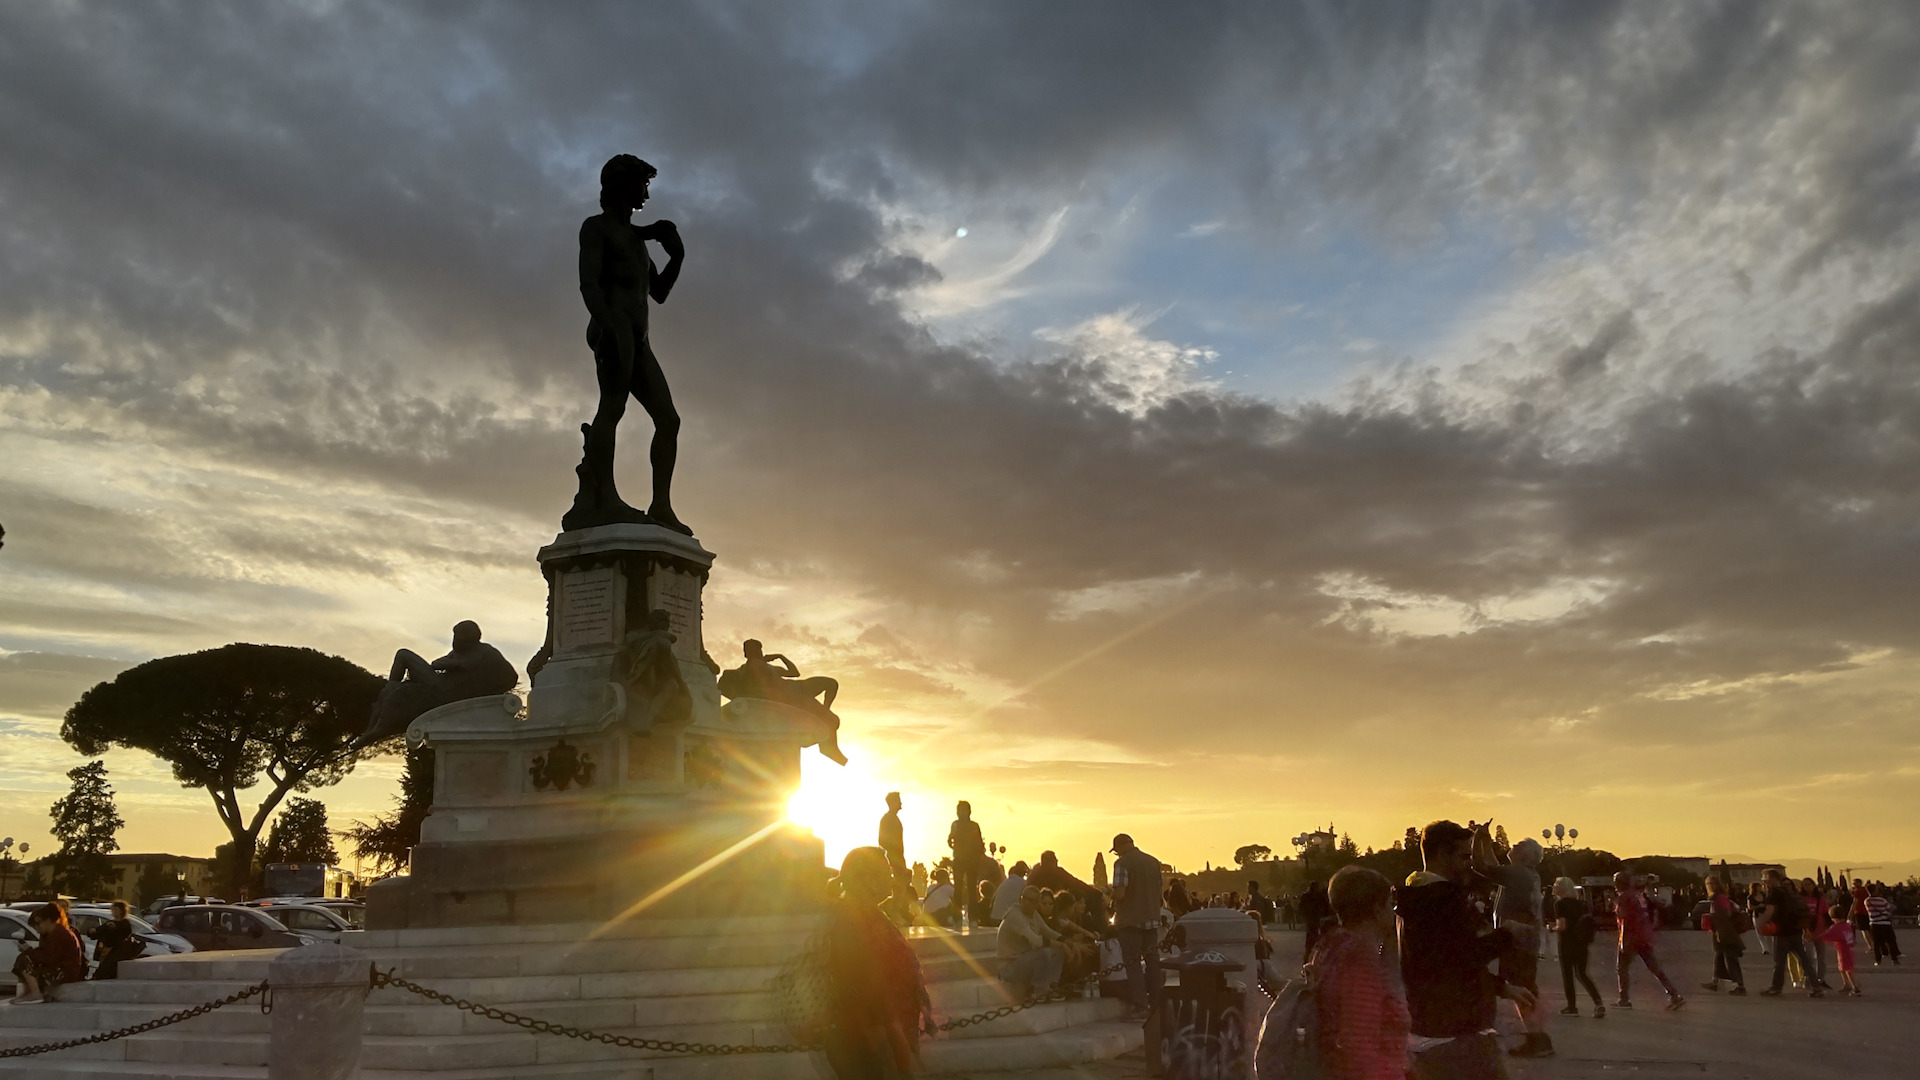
(309, 919)
(86, 917)
(353, 912)
(165, 902)
(216, 927)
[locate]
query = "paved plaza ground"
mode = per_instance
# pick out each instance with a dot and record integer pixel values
(1756, 1038)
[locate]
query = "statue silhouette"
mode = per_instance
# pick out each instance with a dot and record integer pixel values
(616, 278)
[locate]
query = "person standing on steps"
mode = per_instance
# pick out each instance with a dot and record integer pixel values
(969, 857)
(893, 842)
(1136, 921)
(617, 277)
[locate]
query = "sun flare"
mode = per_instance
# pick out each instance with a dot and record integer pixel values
(841, 804)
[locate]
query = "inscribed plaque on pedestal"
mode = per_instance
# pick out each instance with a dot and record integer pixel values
(588, 613)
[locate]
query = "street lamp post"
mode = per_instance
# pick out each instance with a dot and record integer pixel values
(1560, 836)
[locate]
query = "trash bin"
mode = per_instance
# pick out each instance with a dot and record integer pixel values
(1225, 931)
(1197, 1030)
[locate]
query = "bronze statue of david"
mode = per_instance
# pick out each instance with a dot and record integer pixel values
(616, 278)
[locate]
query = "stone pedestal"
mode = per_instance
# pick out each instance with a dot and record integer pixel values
(319, 997)
(577, 807)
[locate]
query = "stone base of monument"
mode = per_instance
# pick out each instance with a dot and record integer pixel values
(684, 980)
(595, 800)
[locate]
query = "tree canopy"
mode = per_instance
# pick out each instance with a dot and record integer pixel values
(227, 719)
(1249, 854)
(85, 821)
(388, 839)
(300, 835)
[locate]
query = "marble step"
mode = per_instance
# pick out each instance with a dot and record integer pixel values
(945, 956)
(1077, 1046)
(393, 1012)
(431, 1039)
(489, 936)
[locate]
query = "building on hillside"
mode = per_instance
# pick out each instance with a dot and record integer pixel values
(163, 875)
(1741, 875)
(188, 872)
(1697, 865)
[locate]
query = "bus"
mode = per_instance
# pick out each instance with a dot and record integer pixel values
(311, 879)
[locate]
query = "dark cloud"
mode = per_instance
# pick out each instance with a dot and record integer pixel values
(334, 246)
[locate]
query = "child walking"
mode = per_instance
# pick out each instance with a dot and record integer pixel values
(1842, 934)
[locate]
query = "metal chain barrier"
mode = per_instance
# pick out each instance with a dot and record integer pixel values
(547, 1027)
(386, 978)
(261, 987)
(1037, 999)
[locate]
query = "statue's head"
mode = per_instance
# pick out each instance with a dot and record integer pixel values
(658, 619)
(751, 648)
(466, 634)
(623, 182)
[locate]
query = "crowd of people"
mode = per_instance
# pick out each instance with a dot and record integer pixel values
(1409, 976)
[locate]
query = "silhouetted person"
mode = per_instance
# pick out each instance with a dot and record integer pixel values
(616, 278)
(1315, 910)
(969, 855)
(893, 842)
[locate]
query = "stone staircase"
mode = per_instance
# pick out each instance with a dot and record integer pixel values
(687, 980)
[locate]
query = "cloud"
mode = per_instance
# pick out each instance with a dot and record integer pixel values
(290, 350)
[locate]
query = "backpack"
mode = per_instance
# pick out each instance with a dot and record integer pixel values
(1289, 1043)
(802, 990)
(1586, 929)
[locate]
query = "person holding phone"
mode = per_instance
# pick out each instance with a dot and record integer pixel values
(55, 959)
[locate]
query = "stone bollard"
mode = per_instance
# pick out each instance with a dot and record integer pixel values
(319, 994)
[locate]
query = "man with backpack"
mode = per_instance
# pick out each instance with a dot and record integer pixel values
(1787, 915)
(1443, 960)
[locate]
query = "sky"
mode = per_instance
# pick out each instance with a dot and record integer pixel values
(1209, 424)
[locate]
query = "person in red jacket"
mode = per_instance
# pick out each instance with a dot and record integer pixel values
(56, 959)
(877, 997)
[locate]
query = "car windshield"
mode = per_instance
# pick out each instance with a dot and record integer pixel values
(355, 917)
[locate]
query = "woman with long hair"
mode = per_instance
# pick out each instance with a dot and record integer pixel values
(55, 960)
(877, 1001)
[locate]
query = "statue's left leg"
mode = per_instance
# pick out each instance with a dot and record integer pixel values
(650, 390)
(818, 685)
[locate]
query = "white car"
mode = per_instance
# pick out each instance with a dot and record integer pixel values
(86, 917)
(312, 920)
